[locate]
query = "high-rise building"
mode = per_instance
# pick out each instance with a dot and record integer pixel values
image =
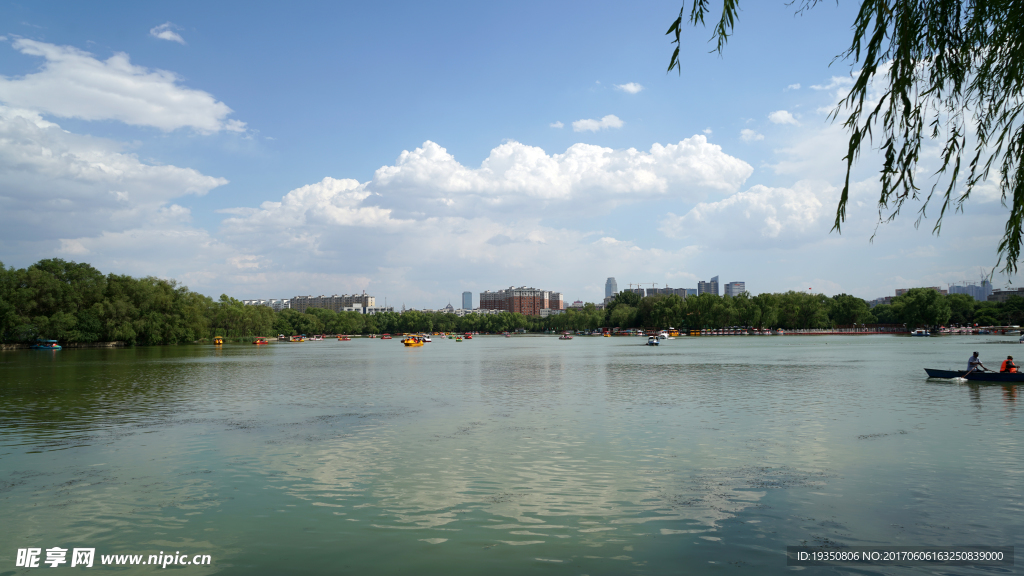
(973, 290)
(610, 287)
(708, 287)
(735, 288)
(467, 300)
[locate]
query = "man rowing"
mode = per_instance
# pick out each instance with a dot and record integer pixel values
(974, 363)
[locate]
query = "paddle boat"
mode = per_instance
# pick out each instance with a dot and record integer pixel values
(468, 336)
(261, 340)
(298, 338)
(425, 338)
(920, 332)
(565, 336)
(386, 337)
(653, 341)
(343, 338)
(978, 375)
(412, 341)
(46, 345)
(458, 338)
(218, 340)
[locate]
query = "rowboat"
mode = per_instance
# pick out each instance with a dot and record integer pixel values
(978, 375)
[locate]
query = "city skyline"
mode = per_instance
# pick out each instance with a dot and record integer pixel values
(978, 291)
(172, 141)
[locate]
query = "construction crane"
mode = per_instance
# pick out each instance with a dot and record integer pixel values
(640, 285)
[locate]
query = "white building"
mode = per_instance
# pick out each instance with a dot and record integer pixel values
(277, 304)
(735, 288)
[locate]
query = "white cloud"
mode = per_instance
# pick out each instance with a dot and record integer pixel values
(835, 82)
(632, 87)
(164, 32)
(759, 218)
(74, 84)
(609, 121)
(62, 185)
(557, 124)
(748, 135)
(782, 117)
(793, 87)
(520, 178)
(428, 215)
(707, 131)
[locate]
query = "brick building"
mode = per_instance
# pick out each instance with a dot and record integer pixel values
(528, 301)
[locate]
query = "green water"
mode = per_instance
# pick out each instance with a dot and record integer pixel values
(523, 455)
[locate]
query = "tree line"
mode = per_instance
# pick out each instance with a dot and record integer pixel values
(74, 302)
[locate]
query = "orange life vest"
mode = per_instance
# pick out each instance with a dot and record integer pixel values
(1008, 366)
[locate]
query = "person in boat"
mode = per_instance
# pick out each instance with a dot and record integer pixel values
(1008, 365)
(974, 363)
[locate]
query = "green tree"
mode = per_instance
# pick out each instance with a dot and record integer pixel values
(950, 71)
(921, 307)
(961, 308)
(885, 314)
(845, 310)
(623, 316)
(988, 316)
(1013, 310)
(767, 315)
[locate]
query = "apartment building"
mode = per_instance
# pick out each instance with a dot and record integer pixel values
(528, 301)
(334, 302)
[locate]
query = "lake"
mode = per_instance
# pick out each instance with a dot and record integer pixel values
(523, 455)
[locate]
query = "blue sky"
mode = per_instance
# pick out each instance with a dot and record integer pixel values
(418, 150)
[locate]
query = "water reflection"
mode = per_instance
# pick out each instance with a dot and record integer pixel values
(603, 455)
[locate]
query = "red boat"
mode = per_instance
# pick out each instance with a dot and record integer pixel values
(386, 337)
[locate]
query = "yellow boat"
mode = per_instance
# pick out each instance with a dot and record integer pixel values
(412, 341)
(296, 339)
(217, 340)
